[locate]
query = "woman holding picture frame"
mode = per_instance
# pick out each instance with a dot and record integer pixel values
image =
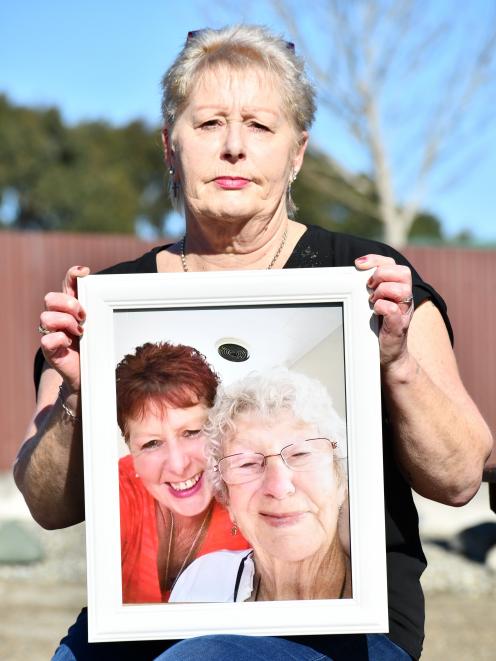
(237, 108)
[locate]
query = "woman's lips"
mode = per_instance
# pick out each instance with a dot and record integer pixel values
(284, 519)
(232, 183)
(186, 488)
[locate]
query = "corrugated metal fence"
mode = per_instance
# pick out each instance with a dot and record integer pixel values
(33, 263)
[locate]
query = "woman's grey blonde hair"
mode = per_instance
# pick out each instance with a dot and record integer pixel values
(240, 48)
(266, 395)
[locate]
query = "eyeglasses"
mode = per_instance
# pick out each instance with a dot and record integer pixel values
(302, 456)
(192, 34)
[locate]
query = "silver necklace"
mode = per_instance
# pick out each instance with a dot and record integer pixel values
(273, 261)
(191, 548)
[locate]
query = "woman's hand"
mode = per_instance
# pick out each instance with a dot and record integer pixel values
(391, 297)
(443, 450)
(49, 466)
(64, 318)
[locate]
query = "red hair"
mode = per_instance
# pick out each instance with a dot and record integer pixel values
(162, 375)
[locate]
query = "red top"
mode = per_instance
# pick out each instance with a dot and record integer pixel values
(139, 540)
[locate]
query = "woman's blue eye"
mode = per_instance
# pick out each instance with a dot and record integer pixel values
(248, 464)
(151, 445)
(210, 124)
(259, 127)
(192, 433)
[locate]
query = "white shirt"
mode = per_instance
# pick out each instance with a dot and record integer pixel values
(222, 576)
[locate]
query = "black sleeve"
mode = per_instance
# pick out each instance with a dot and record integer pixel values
(347, 249)
(423, 291)
(39, 361)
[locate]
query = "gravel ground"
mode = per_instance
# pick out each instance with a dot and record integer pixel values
(460, 608)
(38, 602)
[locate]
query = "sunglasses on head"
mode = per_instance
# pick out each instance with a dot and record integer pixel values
(192, 34)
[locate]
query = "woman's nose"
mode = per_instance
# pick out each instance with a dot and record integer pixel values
(177, 460)
(234, 147)
(278, 478)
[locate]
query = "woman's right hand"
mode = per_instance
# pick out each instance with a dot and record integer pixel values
(64, 318)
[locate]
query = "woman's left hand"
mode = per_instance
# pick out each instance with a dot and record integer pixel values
(442, 451)
(391, 297)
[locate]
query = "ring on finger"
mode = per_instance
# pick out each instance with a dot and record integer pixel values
(407, 300)
(43, 331)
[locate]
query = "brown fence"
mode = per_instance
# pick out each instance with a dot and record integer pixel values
(34, 263)
(467, 279)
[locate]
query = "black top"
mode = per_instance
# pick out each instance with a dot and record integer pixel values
(405, 558)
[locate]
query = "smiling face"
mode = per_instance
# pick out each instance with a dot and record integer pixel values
(168, 454)
(283, 513)
(234, 147)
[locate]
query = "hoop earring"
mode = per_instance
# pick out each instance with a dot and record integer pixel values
(234, 529)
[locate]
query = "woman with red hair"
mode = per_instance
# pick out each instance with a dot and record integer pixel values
(168, 516)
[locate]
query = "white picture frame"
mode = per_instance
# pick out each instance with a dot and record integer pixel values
(105, 298)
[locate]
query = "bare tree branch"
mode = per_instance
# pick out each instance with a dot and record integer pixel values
(400, 68)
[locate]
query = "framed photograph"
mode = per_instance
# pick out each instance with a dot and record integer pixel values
(263, 515)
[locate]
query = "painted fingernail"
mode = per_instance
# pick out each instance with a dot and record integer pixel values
(80, 329)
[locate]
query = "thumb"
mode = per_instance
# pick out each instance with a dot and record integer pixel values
(69, 283)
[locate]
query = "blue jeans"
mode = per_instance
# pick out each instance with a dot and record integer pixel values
(352, 647)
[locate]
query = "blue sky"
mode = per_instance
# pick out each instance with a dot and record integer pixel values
(104, 60)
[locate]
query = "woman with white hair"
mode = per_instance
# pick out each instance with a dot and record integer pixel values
(274, 442)
(237, 109)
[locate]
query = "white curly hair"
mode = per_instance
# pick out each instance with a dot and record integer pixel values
(267, 394)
